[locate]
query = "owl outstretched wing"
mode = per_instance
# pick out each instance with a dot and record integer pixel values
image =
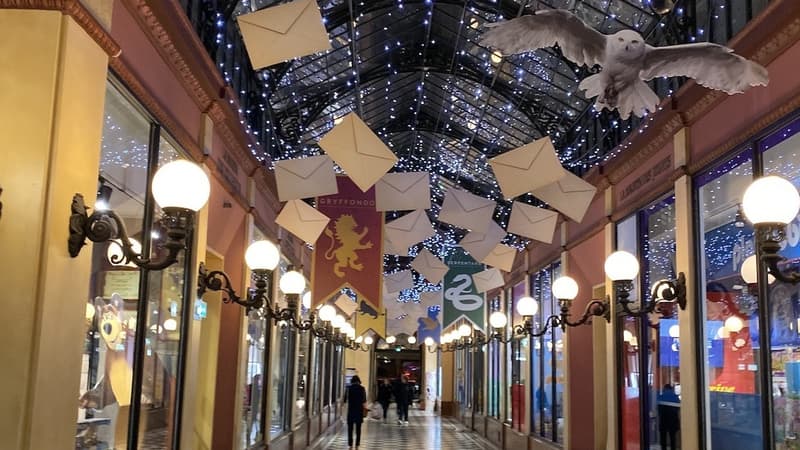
(711, 65)
(578, 42)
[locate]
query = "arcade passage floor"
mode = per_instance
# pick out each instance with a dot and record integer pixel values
(424, 431)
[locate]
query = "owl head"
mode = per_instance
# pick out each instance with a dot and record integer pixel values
(626, 44)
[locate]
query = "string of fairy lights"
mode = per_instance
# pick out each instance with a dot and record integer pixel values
(447, 118)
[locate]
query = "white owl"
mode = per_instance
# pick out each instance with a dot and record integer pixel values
(626, 59)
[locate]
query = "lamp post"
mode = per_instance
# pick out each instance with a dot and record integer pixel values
(180, 188)
(622, 268)
(770, 203)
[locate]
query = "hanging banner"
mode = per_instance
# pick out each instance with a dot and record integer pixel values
(368, 319)
(428, 325)
(349, 251)
(461, 297)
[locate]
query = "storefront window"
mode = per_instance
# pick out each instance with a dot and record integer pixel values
(731, 316)
(253, 395)
(519, 359)
(119, 292)
(316, 376)
(302, 375)
(493, 349)
(547, 362)
(780, 157)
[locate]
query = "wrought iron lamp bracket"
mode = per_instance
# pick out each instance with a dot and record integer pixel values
(769, 238)
(674, 292)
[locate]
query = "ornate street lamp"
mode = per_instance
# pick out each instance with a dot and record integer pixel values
(622, 267)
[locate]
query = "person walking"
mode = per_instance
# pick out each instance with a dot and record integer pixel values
(669, 416)
(385, 396)
(403, 396)
(356, 399)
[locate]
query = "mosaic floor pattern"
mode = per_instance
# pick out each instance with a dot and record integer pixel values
(424, 431)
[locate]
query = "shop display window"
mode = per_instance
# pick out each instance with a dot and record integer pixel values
(315, 387)
(518, 371)
(301, 380)
(493, 350)
(730, 313)
(121, 295)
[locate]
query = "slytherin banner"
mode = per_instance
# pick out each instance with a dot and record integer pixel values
(349, 251)
(461, 297)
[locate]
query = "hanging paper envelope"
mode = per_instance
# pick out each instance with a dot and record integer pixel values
(305, 178)
(302, 220)
(479, 245)
(532, 222)
(488, 279)
(403, 191)
(570, 194)
(409, 230)
(284, 32)
(390, 249)
(398, 281)
(526, 168)
(358, 151)
(346, 304)
(431, 267)
(465, 210)
(501, 257)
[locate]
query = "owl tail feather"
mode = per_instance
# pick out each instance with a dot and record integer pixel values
(636, 98)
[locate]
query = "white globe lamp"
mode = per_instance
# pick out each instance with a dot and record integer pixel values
(621, 266)
(527, 306)
(262, 255)
(498, 320)
(181, 184)
(565, 288)
(464, 330)
(292, 282)
(771, 200)
(327, 313)
(368, 340)
(412, 340)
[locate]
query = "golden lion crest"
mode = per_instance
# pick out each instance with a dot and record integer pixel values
(349, 243)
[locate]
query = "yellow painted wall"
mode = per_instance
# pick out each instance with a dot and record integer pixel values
(361, 362)
(51, 108)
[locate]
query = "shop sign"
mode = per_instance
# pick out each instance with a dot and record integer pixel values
(655, 173)
(122, 282)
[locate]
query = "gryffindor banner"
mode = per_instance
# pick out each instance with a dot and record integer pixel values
(349, 252)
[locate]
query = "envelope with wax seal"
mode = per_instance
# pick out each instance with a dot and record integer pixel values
(431, 267)
(501, 257)
(487, 280)
(396, 282)
(302, 220)
(346, 304)
(403, 191)
(479, 245)
(305, 178)
(465, 210)
(527, 168)
(390, 249)
(409, 230)
(570, 195)
(358, 151)
(284, 32)
(532, 222)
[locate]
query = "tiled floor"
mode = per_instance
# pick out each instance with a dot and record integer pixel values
(424, 431)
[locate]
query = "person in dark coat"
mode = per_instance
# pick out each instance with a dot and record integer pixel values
(356, 398)
(403, 395)
(669, 416)
(385, 396)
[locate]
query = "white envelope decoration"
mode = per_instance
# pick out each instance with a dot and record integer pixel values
(305, 178)
(406, 325)
(479, 245)
(391, 249)
(302, 220)
(465, 210)
(358, 151)
(431, 298)
(431, 267)
(394, 309)
(409, 230)
(501, 257)
(532, 222)
(403, 191)
(488, 279)
(398, 281)
(284, 32)
(416, 310)
(570, 194)
(346, 304)
(527, 168)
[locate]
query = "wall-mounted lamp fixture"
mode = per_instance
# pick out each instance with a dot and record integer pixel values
(180, 188)
(622, 267)
(334, 328)
(770, 203)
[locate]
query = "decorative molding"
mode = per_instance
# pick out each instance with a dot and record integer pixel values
(78, 12)
(637, 157)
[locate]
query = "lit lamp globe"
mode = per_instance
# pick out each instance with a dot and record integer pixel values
(621, 266)
(749, 271)
(391, 340)
(771, 200)
(734, 324)
(527, 306)
(292, 282)
(674, 331)
(464, 330)
(498, 320)
(262, 255)
(359, 339)
(338, 321)
(429, 341)
(307, 300)
(565, 288)
(327, 313)
(412, 340)
(368, 340)
(181, 184)
(351, 333)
